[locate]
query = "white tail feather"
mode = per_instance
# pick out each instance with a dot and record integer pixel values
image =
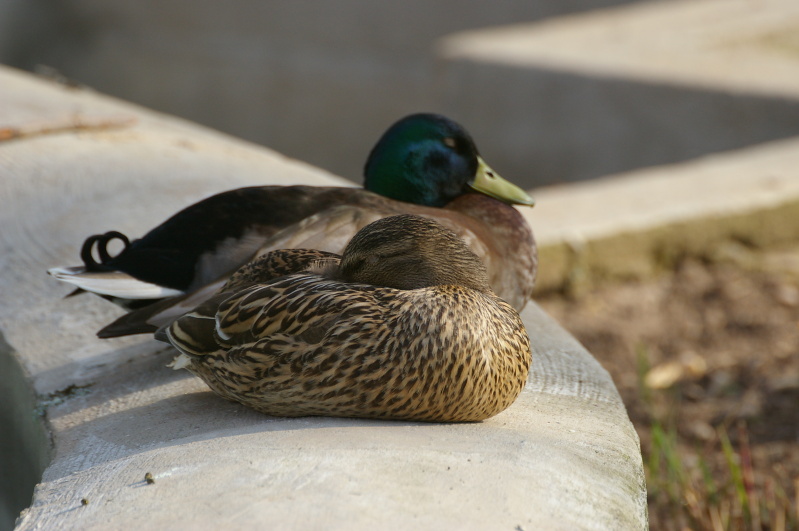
(112, 283)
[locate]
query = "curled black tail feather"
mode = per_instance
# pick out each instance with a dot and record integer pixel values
(101, 241)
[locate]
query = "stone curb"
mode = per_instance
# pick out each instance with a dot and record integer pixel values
(749, 197)
(564, 456)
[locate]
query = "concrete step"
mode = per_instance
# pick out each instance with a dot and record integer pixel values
(636, 224)
(613, 90)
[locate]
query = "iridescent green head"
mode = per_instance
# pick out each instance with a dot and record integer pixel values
(427, 159)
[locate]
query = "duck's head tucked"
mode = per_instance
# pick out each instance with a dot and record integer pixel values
(427, 159)
(411, 252)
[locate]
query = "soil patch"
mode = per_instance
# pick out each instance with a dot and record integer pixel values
(706, 359)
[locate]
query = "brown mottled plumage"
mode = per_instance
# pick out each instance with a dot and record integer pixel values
(406, 326)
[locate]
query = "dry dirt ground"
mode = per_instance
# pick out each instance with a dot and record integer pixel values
(706, 359)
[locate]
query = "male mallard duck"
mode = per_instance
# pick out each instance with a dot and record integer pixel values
(424, 164)
(404, 326)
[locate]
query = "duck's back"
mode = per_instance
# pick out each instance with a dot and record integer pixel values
(496, 232)
(215, 236)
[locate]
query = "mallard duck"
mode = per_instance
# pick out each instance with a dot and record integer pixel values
(424, 164)
(404, 325)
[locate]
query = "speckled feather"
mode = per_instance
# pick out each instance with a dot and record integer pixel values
(306, 344)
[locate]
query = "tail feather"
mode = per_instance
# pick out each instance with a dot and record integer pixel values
(154, 316)
(111, 283)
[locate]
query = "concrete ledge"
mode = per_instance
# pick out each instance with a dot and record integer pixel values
(564, 456)
(537, 466)
(612, 90)
(636, 224)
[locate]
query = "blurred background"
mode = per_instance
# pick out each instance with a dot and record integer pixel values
(320, 81)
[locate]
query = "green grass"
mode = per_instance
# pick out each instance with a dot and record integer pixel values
(714, 486)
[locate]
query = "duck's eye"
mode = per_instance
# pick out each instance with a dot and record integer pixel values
(450, 142)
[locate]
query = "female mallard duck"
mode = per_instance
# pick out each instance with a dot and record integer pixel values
(424, 164)
(404, 326)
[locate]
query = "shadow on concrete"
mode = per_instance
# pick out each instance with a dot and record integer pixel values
(25, 449)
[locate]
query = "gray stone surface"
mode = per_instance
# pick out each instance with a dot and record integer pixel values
(611, 90)
(564, 456)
